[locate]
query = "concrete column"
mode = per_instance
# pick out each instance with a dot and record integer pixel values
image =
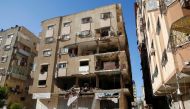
(121, 81)
(98, 48)
(77, 81)
(97, 81)
(123, 104)
(181, 105)
(95, 104)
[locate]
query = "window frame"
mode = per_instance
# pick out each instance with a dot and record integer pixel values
(64, 50)
(50, 27)
(85, 33)
(4, 59)
(66, 24)
(64, 37)
(105, 15)
(64, 65)
(47, 50)
(86, 20)
(49, 40)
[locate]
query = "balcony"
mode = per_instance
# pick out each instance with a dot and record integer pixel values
(180, 42)
(105, 33)
(19, 72)
(152, 5)
(25, 41)
(107, 62)
(185, 3)
(23, 52)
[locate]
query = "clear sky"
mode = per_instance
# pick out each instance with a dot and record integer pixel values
(30, 13)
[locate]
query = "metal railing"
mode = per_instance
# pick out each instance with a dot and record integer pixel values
(19, 72)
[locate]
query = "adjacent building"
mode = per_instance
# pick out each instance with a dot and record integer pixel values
(83, 62)
(163, 41)
(17, 52)
(135, 102)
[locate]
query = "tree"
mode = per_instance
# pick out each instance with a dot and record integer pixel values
(16, 106)
(3, 96)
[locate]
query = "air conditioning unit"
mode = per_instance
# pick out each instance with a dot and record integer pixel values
(152, 51)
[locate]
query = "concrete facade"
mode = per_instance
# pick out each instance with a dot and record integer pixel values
(162, 30)
(17, 52)
(83, 55)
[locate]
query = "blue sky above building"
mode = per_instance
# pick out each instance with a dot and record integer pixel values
(30, 13)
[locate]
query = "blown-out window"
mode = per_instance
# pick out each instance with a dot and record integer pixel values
(105, 15)
(62, 65)
(47, 53)
(66, 24)
(50, 27)
(86, 20)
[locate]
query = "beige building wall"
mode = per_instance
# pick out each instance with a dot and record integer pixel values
(71, 26)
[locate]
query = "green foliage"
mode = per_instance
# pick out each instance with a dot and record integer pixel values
(3, 96)
(2, 103)
(3, 93)
(16, 106)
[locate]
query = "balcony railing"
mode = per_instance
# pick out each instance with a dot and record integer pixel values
(26, 53)
(185, 3)
(19, 72)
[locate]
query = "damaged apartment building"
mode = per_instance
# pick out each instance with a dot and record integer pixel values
(163, 30)
(17, 52)
(83, 62)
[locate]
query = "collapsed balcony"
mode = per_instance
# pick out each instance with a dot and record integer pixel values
(180, 42)
(107, 82)
(107, 62)
(104, 33)
(90, 48)
(86, 84)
